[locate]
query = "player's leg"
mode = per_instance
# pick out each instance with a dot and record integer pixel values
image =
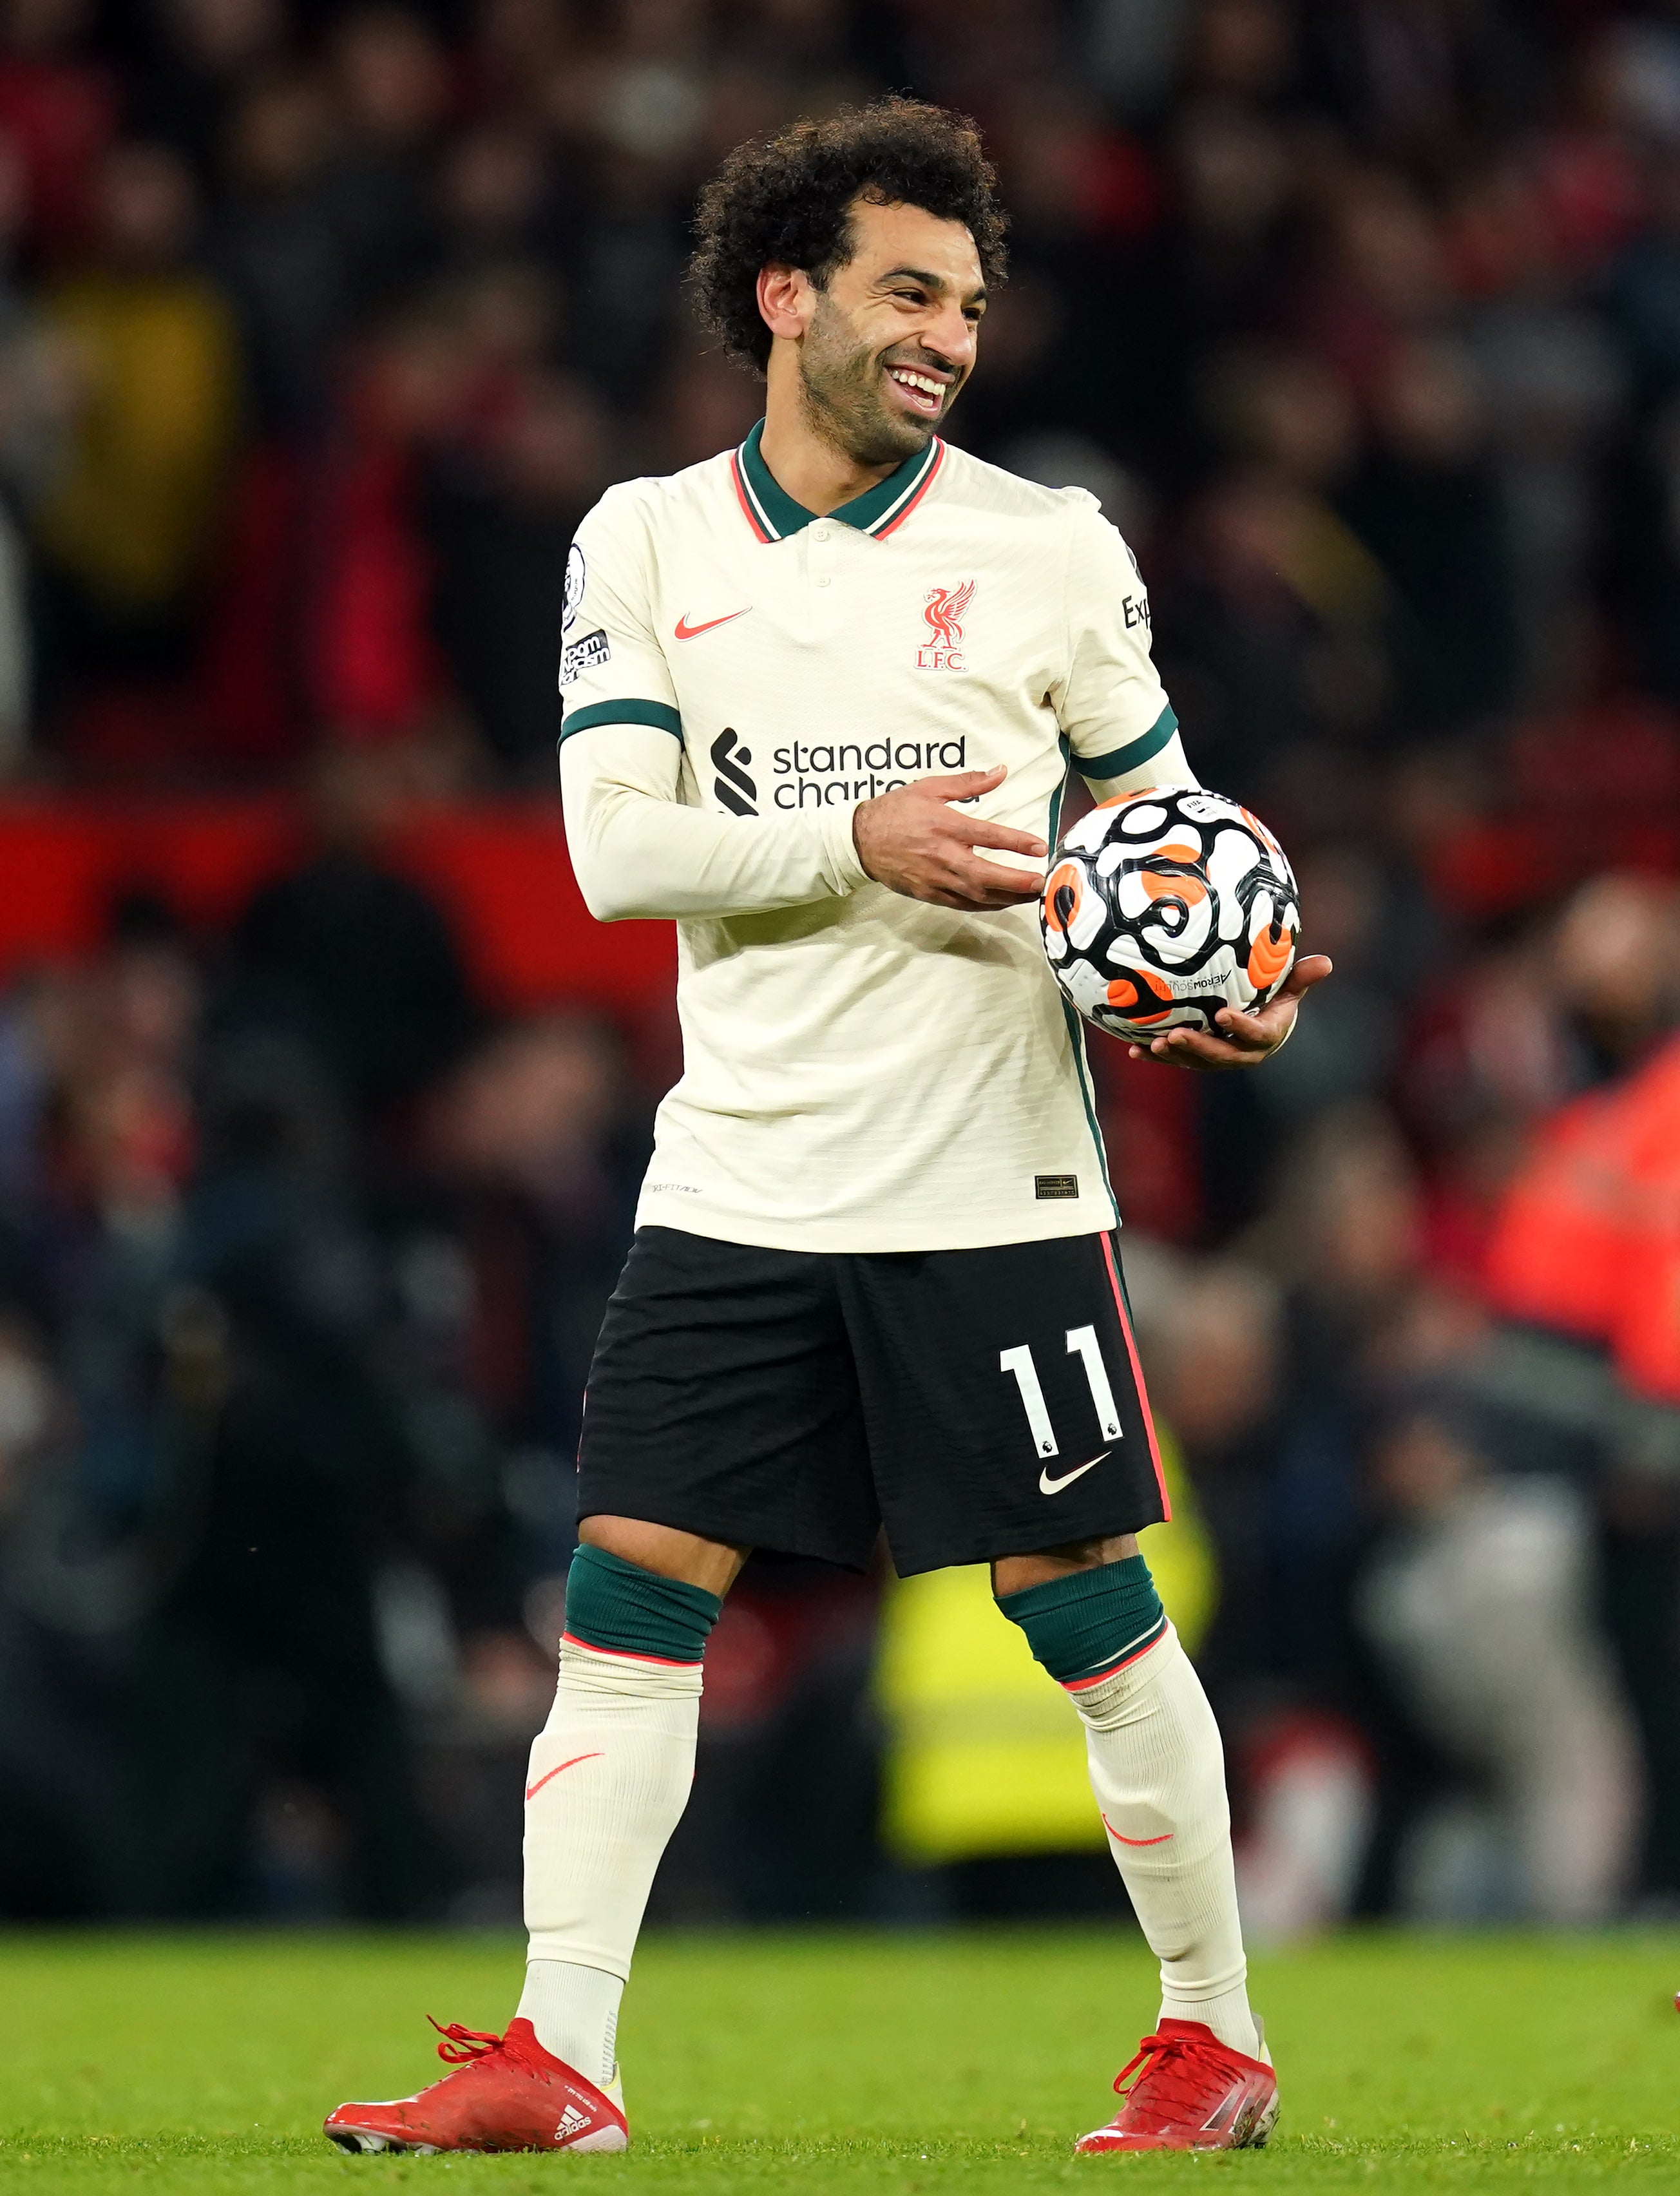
(722, 1414)
(1093, 1619)
(611, 1771)
(609, 1776)
(1008, 1424)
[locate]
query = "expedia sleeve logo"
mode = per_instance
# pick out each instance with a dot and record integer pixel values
(735, 789)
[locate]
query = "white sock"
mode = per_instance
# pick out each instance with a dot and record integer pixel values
(1157, 1769)
(610, 1775)
(575, 2012)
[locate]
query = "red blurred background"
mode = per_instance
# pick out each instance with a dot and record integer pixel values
(323, 1103)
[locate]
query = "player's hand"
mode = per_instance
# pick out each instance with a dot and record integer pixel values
(914, 842)
(1248, 1038)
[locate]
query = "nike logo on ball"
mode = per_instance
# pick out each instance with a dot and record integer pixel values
(1048, 1486)
(684, 630)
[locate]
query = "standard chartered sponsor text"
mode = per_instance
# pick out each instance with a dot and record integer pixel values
(817, 774)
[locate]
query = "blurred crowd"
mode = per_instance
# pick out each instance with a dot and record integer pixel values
(320, 326)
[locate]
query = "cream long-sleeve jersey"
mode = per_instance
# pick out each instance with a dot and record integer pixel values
(862, 1072)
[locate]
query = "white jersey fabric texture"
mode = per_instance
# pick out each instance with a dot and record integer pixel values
(862, 1072)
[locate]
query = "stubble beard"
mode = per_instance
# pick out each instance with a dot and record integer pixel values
(840, 388)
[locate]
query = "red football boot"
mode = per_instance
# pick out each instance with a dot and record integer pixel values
(1191, 2093)
(506, 2092)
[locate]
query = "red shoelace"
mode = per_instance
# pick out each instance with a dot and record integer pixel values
(1167, 2065)
(461, 2045)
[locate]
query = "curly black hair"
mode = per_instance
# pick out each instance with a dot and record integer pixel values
(783, 200)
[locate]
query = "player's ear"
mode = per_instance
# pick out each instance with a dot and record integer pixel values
(787, 298)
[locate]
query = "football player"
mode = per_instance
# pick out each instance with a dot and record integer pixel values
(821, 697)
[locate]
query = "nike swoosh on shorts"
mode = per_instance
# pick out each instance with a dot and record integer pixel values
(1048, 1486)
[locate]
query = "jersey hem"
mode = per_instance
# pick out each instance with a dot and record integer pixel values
(863, 1238)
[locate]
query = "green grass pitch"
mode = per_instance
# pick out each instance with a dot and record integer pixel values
(901, 2064)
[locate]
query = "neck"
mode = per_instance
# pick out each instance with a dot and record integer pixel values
(807, 466)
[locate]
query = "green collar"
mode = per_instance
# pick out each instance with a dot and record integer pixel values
(773, 514)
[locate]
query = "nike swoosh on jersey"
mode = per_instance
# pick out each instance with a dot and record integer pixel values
(532, 1790)
(1048, 1486)
(684, 630)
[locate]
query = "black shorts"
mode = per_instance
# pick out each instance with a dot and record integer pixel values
(979, 1403)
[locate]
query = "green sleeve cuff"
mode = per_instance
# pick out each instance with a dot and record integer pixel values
(660, 715)
(1121, 760)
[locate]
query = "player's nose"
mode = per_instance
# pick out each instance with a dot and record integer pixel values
(950, 339)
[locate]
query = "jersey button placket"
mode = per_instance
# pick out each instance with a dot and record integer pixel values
(821, 554)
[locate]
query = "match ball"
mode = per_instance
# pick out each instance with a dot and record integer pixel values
(1163, 906)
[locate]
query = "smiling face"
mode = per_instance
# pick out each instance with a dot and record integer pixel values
(889, 342)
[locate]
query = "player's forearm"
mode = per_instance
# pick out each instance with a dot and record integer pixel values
(647, 857)
(1168, 765)
(639, 852)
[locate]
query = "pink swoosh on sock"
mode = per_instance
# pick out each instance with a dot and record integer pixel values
(1118, 1839)
(532, 1790)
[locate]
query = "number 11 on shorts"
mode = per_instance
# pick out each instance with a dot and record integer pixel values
(1083, 1342)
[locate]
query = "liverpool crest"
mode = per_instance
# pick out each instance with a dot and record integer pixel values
(946, 608)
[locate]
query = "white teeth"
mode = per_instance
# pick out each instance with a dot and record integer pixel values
(907, 379)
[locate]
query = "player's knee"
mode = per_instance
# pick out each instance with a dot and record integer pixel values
(665, 1550)
(1089, 1626)
(1014, 1573)
(616, 1610)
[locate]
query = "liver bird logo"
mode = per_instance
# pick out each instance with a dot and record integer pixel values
(946, 608)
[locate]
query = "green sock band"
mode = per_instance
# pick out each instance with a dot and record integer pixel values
(1090, 1623)
(619, 1609)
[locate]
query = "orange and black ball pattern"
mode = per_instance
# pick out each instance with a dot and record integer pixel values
(1163, 906)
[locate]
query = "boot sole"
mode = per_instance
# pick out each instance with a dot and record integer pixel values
(357, 2142)
(362, 2142)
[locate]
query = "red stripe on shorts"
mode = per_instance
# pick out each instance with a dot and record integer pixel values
(1137, 1378)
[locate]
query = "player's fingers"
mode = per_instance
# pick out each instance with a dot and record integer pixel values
(987, 902)
(975, 833)
(1160, 1053)
(963, 785)
(1185, 1047)
(981, 888)
(994, 887)
(1310, 970)
(1190, 1047)
(1248, 1029)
